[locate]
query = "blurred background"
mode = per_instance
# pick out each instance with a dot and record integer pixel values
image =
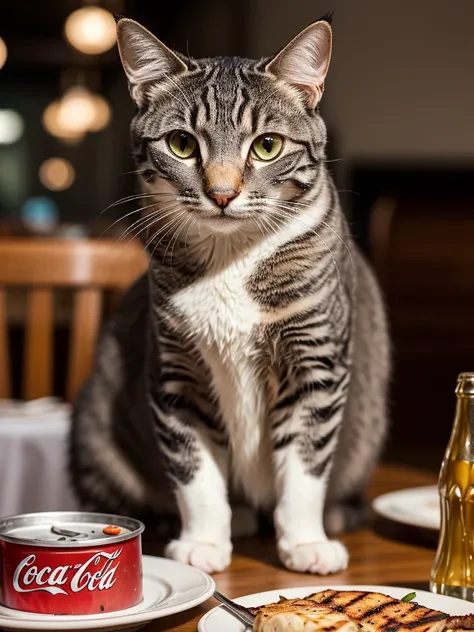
(399, 105)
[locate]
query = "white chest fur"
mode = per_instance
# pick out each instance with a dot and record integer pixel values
(222, 315)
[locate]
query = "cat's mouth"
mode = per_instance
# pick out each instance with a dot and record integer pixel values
(223, 221)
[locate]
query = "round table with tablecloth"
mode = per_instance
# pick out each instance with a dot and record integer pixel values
(33, 457)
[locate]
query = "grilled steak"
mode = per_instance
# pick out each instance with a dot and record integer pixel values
(375, 612)
(353, 611)
(295, 615)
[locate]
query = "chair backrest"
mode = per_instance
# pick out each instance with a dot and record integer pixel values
(42, 267)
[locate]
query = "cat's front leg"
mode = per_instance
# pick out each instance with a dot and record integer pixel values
(196, 461)
(304, 439)
(205, 539)
(198, 471)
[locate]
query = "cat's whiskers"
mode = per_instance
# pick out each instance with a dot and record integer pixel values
(268, 221)
(267, 226)
(136, 171)
(123, 217)
(148, 220)
(187, 220)
(284, 213)
(173, 223)
(191, 225)
(255, 222)
(170, 223)
(287, 216)
(145, 228)
(344, 243)
(170, 242)
(133, 198)
(307, 204)
(295, 208)
(149, 240)
(349, 191)
(136, 225)
(304, 204)
(171, 210)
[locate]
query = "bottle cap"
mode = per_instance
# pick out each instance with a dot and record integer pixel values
(465, 385)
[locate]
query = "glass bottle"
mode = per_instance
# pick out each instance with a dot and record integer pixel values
(453, 569)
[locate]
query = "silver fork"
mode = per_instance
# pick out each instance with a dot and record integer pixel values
(239, 612)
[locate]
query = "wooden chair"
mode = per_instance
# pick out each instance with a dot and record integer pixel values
(42, 267)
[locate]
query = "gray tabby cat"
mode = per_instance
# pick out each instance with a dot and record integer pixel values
(255, 358)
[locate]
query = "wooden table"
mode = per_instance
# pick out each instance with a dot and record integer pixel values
(378, 556)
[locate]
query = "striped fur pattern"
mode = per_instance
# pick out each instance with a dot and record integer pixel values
(266, 357)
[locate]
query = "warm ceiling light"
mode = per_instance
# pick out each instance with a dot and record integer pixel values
(76, 110)
(52, 126)
(57, 174)
(3, 53)
(11, 127)
(103, 113)
(91, 30)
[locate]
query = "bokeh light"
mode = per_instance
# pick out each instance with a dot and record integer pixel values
(103, 113)
(40, 214)
(76, 111)
(57, 174)
(91, 30)
(11, 127)
(53, 127)
(3, 53)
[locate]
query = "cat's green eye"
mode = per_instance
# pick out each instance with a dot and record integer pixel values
(266, 147)
(182, 144)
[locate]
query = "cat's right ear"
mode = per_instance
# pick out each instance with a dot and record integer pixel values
(145, 59)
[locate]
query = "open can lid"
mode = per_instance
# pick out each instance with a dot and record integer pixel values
(68, 529)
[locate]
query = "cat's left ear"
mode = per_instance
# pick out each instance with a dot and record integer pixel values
(304, 62)
(145, 59)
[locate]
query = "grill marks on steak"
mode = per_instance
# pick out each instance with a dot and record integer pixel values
(288, 613)
(375, 612)
(463, 622)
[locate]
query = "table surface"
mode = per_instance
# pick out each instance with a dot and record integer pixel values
(381, 554)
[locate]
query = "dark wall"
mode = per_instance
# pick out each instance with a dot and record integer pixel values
(417, 225)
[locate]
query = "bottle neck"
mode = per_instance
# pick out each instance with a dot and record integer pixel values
(461, 444)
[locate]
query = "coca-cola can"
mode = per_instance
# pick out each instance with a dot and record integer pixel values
(70, 563)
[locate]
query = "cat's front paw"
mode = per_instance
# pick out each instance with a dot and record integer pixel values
(322, 558)
(210, 558)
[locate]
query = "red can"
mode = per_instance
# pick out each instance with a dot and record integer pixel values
(70, 563)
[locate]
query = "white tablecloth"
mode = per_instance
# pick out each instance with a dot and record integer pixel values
(33, 457)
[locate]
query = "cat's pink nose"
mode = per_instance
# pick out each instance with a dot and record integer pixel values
(223, 199)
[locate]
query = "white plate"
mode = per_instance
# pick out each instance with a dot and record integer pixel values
(168, 588)
(417, 507)
(218, 620)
